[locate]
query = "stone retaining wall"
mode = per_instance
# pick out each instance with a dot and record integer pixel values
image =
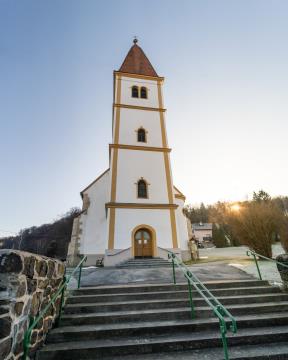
(27, 283)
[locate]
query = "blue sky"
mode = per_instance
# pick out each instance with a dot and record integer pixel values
(225, 64)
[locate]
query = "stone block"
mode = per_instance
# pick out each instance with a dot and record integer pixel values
(50, 310)
(51, 269)
(55, 283)
(10, 263)
(21, 289)
(31, 286)
(18, 307)
(34, 336)
(39, 325)
(5, 347)
(35, 304)
(4, 309)
(60, 270)
(18, 345)
(47, 291)
(27, 307)
(5, 326)
(29, 264)
(41, 268)
(47, 325)
(42, 284)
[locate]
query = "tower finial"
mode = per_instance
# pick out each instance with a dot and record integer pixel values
(135, 40)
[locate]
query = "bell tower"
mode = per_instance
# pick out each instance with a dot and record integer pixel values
(141, 185)
(133, 209)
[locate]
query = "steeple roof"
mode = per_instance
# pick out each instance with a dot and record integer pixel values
(136, 62)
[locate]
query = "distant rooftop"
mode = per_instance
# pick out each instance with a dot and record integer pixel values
(202, 226)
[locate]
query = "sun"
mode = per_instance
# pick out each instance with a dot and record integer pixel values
(235, 207)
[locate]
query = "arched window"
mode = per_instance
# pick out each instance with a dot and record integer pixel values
(141, 135)
(135, 93)
(142, 189)
(143, 92)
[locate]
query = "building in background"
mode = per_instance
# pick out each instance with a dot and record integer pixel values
(202, 232)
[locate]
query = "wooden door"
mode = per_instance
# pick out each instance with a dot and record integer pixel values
(143, 243)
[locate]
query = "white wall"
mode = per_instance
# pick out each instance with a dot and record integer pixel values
(94, 224)
(151, 85)
(134, 164)
(131, 120)
(127, 219)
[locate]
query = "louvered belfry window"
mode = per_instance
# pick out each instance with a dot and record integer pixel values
(143, 92)
(135, 93)
(141, 135)
(142, 189)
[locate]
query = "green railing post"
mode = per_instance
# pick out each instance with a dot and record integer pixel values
(191, 299)
(257, 266)
(58, 321)
(173, 267)
(79, 276)
(224, 339)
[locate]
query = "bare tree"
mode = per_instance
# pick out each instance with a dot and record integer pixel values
(258, 224)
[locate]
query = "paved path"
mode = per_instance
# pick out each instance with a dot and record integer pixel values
(112, 276)
(238, 254)
(218, 270)
(234, 251)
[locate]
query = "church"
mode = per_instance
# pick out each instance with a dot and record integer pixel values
(133, 209)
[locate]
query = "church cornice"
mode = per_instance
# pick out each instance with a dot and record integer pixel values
(126, 106)
(138, 76)
(116, 205)
(135, 147)
(178, 196)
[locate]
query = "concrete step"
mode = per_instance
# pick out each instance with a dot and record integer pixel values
(120, 289)
(179, 294)
(90, 332)
(169, 303)
(97, 349)
(273, 351)
(168, 314)
(146, 261)
(151, 261)
(144, 266)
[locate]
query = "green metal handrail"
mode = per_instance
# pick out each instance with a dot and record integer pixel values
(255, 255)
(61, 290)
(218, 309)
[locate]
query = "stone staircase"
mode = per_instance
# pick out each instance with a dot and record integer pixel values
(144, 263)
(137, 322)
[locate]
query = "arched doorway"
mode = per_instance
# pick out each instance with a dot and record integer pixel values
(143, 246)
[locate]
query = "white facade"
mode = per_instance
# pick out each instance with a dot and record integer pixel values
(113, 210)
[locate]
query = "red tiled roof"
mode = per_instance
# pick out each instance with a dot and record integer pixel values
(136, 62)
